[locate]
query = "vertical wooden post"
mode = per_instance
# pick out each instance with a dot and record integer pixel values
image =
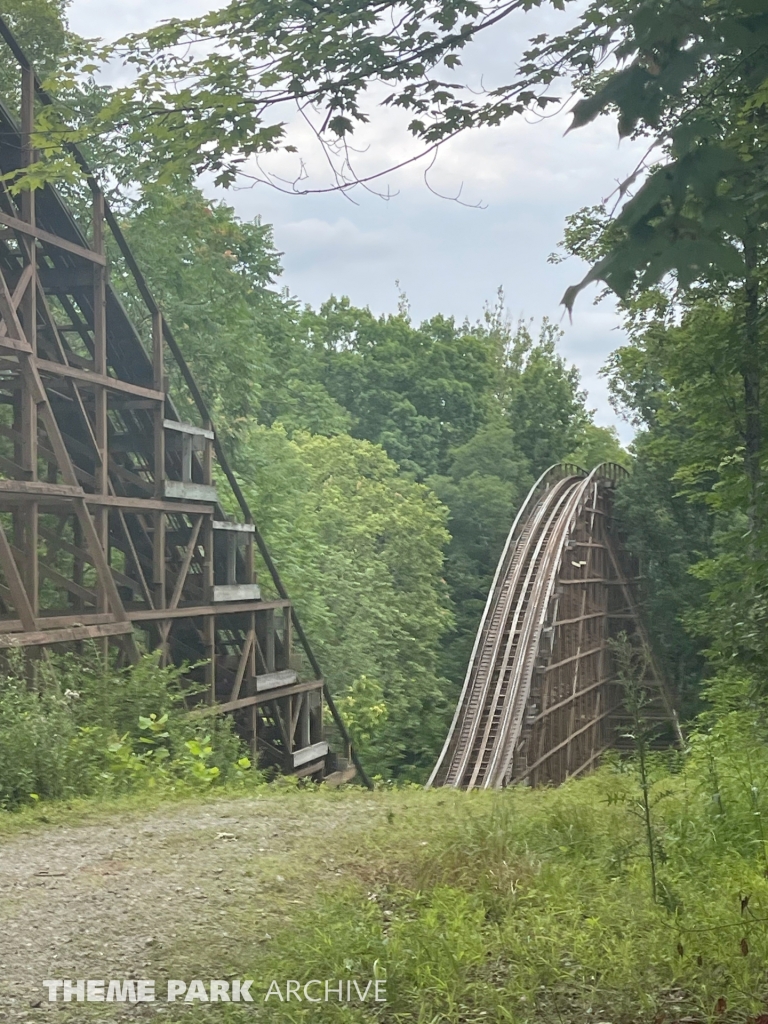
(158, 377)
(28, 317)
(269, 645)
(208, 457)
(159, 578)
(251, 673)
(250, 576)
(158, 518)
(255, 733)
(78, 564)
(100, 393)
(210, 654)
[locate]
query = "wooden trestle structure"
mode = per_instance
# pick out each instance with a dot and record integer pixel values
(541, 700)
(111, 526)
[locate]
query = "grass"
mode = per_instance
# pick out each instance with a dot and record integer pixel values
(531, 907)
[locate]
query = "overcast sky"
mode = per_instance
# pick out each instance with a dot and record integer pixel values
(446, 257)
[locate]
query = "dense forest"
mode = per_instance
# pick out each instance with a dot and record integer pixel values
(385, 459)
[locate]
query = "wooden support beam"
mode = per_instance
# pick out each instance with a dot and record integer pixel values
(553, 750)
(29, 231)
(242, 664)
(575, 657)
(15, 583)
(569, 699)
(136, 561)
(42, 638)
(186, 563)
(203, 611)
(97, 379)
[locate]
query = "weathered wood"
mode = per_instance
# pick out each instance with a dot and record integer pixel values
(236, 592)
(45, 236)
(311, 753)
(189, 554)
(99, 380)
(188, 428)
(201, 611)
(86, 384)
(186, 490)
(47, 621)
(272, 680)
(338, 778)
(42, 638)
(221, 524)
(15, 583)
(257, 698)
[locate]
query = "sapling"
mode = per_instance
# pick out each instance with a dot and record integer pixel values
(632, 666)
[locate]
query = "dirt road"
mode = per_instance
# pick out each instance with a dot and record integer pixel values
(184, 891)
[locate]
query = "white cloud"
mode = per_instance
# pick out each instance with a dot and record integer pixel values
(448, 258)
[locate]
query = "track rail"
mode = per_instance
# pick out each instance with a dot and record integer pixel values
(540, 700)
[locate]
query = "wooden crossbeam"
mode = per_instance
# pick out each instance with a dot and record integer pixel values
(186, 563)
(244, 655)
(23, 228)
(41, 638)
(15, 583)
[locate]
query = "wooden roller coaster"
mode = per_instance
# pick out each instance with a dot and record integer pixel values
(541, 700)
(112, 529)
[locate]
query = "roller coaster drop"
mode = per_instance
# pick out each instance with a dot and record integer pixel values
(541, 700)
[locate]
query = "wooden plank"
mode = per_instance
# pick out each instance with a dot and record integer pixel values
(40, 488)
(236, 592)
(186, 562)
(148, 504)
(41, 638)
(553, 750)
(258, 698)
(101, 380)
(576, 657)
(340, 777)
(202, 611)
(311, 753)
(49, 239)
(14, 345)
(136, 560)
(189, 491)
(188, 428)
(221, 524)
(58, 621)
(272, 680)
(15, 584)
(242, 665)
(310, 769)
(570, 698)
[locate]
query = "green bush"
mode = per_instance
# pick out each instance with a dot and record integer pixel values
(74, 727)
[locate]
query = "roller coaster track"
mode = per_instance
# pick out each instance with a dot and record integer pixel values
(541, 700)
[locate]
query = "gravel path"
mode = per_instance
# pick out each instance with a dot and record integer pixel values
(181, 891)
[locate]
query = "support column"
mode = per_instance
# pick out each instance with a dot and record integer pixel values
(100, 393)
(28, 318)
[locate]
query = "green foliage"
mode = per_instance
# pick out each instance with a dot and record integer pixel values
(40, 29)
(361, 551)
(534, 906)
(364, 712)
(210, 272)
(58, 742)
(417, 391)
(686, 508)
